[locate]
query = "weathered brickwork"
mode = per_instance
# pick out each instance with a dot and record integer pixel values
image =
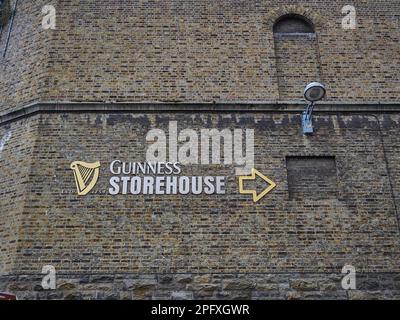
(16, 148)
(195, 51)
(108, 234)
(312, 177)
(23, 68)
(296, 63)
(200, 246)
(391, 141)
(216, 51)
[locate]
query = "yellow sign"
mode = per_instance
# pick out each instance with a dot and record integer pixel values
(86, 176)
(255, 173)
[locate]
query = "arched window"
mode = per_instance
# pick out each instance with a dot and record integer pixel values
(296, 54)
(293, 24)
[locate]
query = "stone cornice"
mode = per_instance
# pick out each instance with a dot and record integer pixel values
(218, 107)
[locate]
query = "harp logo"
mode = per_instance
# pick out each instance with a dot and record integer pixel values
(86, 176)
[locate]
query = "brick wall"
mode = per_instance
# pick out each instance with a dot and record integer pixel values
(23, 69)
(194, 51)
(197, 246)
(297, 63)
(312, 177)
(16, 146)
(215, 235)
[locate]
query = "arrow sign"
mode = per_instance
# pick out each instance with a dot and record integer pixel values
(254, 174)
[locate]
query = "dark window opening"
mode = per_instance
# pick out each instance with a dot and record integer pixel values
(312, 177)
(293, 24)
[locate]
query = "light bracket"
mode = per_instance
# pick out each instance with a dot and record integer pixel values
(313, 92)
(307, 119)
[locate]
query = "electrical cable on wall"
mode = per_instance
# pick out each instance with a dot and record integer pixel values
(10, 28)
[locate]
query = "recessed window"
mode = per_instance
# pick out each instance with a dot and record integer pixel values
(312, 177)
(296, 54)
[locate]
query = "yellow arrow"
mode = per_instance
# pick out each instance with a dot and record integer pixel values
(255, 173)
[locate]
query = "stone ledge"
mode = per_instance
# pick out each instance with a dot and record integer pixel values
(218, 107)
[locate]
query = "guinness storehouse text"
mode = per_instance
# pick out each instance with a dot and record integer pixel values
(160, 178)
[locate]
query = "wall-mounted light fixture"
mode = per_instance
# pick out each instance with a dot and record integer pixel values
(313, 92)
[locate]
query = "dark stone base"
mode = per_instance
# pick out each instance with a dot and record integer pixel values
(203, 286)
